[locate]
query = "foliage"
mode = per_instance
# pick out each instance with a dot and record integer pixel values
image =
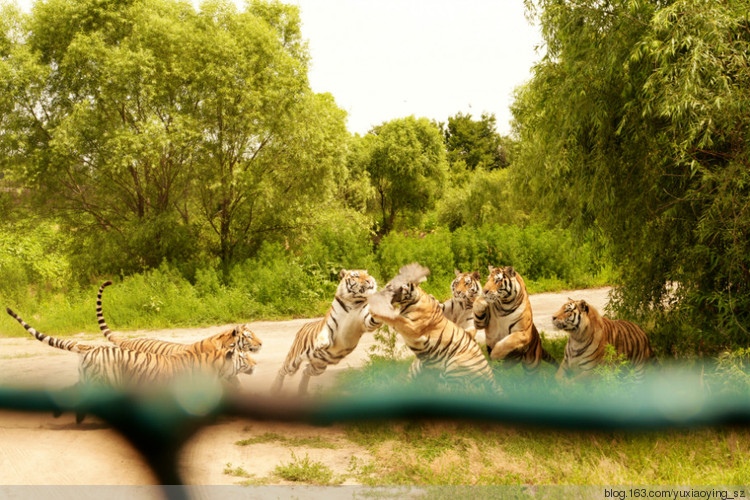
(485, 198)
(144, 121)
(407, 168)
(635, 126)
(306, 471)
(731, 374)
(474, 143)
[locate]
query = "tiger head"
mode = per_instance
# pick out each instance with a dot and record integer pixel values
(573, 317)
(503, 284)
(240, 336)
(355, 284)
(244, 363)
(235, 362)
(466, 286)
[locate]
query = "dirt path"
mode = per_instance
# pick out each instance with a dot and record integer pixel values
(39, 449)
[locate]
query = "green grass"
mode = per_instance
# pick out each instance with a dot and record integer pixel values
(268, 437)
(248, 479)
(460, 453)
(304, 470)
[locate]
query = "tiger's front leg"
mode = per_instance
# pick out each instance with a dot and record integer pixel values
(512, 342)
(323, 338)
(480, 311)
(414, 370)
(562, 372)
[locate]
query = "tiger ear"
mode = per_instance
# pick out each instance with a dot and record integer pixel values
(476, 275)
(510, 271)
(456, 272)
(583, 306)
(342, 273)
(490, 269)
(229, 354)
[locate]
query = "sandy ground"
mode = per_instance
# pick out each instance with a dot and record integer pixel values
(40, 449)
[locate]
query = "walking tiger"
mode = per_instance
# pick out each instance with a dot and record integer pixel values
(111, 366)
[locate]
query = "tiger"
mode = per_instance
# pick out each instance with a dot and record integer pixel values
(114, 367)
(458, 309)
(590, 332)
(239, 336)
(327, 341)
(439, 344)
(504, 312)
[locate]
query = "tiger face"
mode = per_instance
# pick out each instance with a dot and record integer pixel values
(235, 362)
(572, 317)
(355, 284)
(466, 286)
(240, 337)
(244, 363)
(502, 284)
(247, 340)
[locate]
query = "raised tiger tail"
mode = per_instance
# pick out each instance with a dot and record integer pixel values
(100, 315)
(66, 345)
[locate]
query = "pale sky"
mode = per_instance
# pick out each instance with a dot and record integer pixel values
(386, 59)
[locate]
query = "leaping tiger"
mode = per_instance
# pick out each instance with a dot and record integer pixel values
(328, 341)
(504, 312)
(438, 343)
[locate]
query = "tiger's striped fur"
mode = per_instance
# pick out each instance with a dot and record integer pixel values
(328, 341)
(438, 343)
(590, 332)
(239, 337)
(111, 366)
(458, 309)
(504, 312)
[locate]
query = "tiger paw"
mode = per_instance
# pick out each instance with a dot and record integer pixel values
(323, 339)
(480, 305)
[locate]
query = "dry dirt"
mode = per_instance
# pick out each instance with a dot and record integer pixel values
(40, 449)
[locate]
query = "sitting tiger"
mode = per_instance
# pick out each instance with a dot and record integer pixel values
(438, 343)
(111, 366)
(504, 312)
(328, 341)
(458, 309)
(241, 337)
(589, 333)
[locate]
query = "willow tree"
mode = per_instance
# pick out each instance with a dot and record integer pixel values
(166, 130)
(636, 124)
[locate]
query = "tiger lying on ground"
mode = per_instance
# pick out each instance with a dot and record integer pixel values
(439, 345)
(458, 309)
(504, 312)
(589, 333)
(110, 366)
(328, 341)
(239, 337)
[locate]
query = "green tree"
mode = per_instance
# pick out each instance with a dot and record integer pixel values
(407, 167)
(474, 142)
(635, 124)
(143, 122)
